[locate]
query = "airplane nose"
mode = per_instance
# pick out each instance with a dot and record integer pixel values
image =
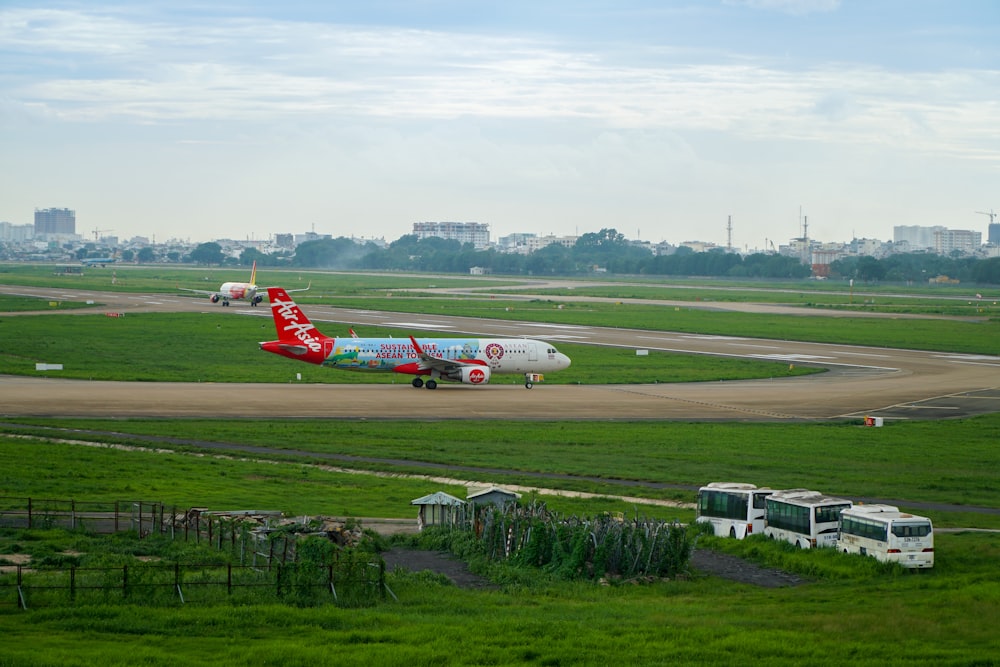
(564, 360)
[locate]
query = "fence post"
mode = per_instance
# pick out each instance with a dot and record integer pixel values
(116, 516)
(177, 581)
(381, 577)
(21, 602)
(29, 513)
(72, 583)
(229, 578)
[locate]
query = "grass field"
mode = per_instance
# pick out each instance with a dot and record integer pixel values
(849, 612)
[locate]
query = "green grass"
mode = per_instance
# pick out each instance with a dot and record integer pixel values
(848, 613)
(220, 347)
(894, 462)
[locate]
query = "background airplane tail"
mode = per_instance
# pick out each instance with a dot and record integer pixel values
(253, 273)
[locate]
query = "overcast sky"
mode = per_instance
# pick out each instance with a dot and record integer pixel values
(242, 119)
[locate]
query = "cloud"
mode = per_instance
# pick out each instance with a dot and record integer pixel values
(797, 7)
(254, 70)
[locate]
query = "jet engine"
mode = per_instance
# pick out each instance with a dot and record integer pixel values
(474, 374)
(214, 298)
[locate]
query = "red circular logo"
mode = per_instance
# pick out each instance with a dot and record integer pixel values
(476, 376)
(494, 351)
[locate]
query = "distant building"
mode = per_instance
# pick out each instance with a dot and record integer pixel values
(476, 233)
(867, 248)
(55, 222)
(516, 243)
(538, 242)
(994, 234)
(918, 238)
(699, 246)
(947, 241)
(16, 233)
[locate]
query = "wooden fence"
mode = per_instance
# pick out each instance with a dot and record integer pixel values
(354, 580)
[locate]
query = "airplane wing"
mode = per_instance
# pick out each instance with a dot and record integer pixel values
(199, 291)
(444, 366)
(288, 291)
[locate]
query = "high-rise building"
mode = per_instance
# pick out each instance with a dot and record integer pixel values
(964, 241)
(476, 233)
(54, 221)
(917, 237)
(994, 233)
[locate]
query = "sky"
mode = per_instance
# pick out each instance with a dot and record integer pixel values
(662, 119)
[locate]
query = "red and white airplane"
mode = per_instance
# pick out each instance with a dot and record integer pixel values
(238, 291)
(465, 360)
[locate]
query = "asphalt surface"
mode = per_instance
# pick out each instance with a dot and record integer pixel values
(862, 381)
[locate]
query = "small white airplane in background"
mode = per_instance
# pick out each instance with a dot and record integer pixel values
(465, 360)
(238, 291)
(98, 261)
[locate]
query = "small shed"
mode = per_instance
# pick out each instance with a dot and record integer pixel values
(439, 509)
(493, 495)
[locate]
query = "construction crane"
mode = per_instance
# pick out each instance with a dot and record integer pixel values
(991, 214)
(98, 232)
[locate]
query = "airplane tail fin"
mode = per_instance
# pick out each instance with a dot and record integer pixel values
(298, 338)
(253, 273)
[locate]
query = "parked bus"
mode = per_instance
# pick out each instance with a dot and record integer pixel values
(733, 509)
(885, 533)
(807, 519)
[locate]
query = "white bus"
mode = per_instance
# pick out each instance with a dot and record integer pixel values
(807, 519)
(733, 509)
(885, 533)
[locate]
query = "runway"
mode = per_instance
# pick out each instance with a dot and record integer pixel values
(878, 382)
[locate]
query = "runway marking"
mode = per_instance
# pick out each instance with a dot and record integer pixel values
(763, 347)
(542, 325)
(416, 325)
(697, 337)
(976, 363)
(794, 357)
(968, 357)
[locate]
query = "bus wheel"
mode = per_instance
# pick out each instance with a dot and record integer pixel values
(732, 532)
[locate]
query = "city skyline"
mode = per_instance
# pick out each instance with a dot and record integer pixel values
(658, 119)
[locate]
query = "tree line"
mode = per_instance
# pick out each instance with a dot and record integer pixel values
(605, 251)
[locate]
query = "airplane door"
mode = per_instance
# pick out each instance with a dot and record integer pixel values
(532, 352)
(327, 348)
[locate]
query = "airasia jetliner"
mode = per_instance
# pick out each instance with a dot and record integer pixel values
(238, 291)
(465, 360)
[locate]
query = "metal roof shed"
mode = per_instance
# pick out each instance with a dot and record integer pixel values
(493, 495)
(439, 509)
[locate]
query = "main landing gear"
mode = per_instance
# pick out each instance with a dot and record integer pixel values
(418, 383)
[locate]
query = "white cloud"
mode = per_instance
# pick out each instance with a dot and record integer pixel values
(789, 6)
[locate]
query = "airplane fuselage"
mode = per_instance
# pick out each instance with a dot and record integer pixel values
(502, 355)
